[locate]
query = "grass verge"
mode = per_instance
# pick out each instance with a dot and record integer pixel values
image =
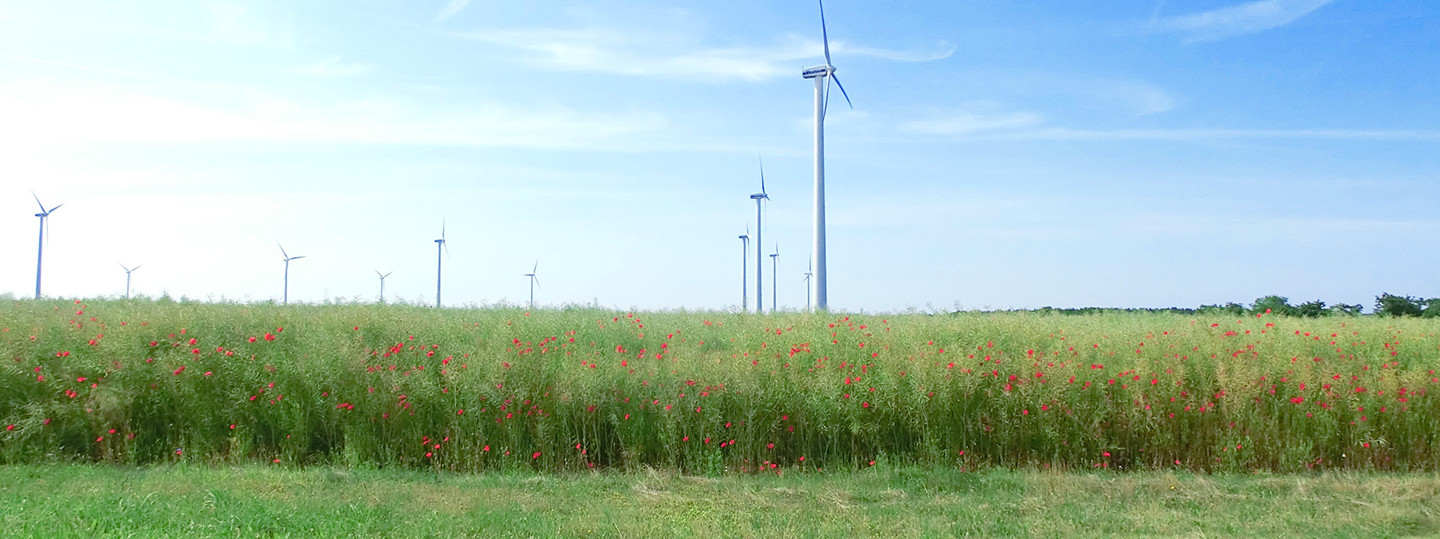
(101, 500)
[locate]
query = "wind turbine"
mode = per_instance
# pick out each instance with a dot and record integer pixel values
(808, 272)
(774, 276)
(382, 284)
(759, 199)
(533, 281)
(822, 74)
(744, 270)
(40, 248)
(438, 245)
(127, 279)
(285, 299)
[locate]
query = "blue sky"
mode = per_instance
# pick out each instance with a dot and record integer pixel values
(999, 155)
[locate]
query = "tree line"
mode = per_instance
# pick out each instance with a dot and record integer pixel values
(1386, 304)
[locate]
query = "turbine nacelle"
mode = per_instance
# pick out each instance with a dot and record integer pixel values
(818, 71)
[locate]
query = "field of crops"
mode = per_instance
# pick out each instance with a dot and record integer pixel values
(372, 385)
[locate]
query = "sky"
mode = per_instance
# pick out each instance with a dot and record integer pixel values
(999, 155)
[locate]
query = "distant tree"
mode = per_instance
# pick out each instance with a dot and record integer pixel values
(1273, 304)
(1228, 308)
(1391, 305)
(1346, 309)
(1311, 309)
(1432, 308)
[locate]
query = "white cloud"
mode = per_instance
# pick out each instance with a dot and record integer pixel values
(678, 56)
(452, 8)
(1237, 20)
(333, 67)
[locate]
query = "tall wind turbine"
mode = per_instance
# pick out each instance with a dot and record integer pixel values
(40, 249)
(809, 270)
(822, 74)
(440, 243)
(759, 199)
(533, 281)
(382, 284)
(774, 279)
(744, 270)
(285, 299)
(127, 279)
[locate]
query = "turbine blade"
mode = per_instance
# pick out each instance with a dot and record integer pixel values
(842, 91)
(297, 257)
(282, 250)
(37, 201)
(537, 282)
(824, 35)
(377, 272)
(57, 206)
(387, 274)
(762, 176)
(537, 266)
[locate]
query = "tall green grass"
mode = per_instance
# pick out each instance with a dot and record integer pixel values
(365, 385)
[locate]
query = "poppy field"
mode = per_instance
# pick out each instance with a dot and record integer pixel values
(146, 382)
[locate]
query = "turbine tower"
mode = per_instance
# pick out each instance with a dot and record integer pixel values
(744, 270)
(822, 74)
(533, 281)
(382, 284)
(759, 199)
(774, 279)
(127, 279)
(40, 249)
(285, 297)
(440, 243)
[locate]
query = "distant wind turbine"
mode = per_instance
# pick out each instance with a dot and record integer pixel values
(285, 298)
(759, 199)
(533, 282)
(774, 279)
(808, 272)
(822, 74)
(40, 249)
(382, 284)
(744, 270)
(127, 279)
(440, 243)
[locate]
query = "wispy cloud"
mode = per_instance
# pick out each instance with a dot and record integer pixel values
(1237, 20)
(452, 8)
(55, 114)
(973, 119)
(677, 57)
(333, 67)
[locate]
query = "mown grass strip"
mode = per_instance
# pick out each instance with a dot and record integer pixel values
(100, 500)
